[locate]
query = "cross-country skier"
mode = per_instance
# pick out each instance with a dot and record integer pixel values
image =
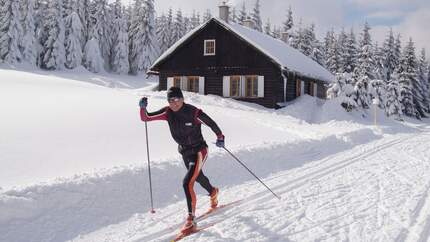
(185, 126)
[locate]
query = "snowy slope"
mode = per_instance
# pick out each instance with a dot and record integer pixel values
(73, 167)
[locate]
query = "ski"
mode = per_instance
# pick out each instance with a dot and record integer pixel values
(212, 210)
(203, 216)
(183, 235)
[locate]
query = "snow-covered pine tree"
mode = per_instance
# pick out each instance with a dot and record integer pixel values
(149, 50)
(120, 62)
(136, 38)
(255, 16)
(100, 29)
(195, 20)
(93, 59)
(350, 61)
(377, 90)
(178, 25)
(393, 107)
(268, 28)
(296, 38)
(289, 23)
(29, 42)
(390, 60)
(73, 40)
(276, 33)
(342, 45)
(170, 25)
(53, 54)
(364, 71)
(242, 14)
(407, 74)
(343, 89)
(10, 31)
(331, 52)
(379, 68)
(232, 16)
(308, 40)
(163, 34)
(83, 10)
(410, 69)
(207, 15)
(422, 77)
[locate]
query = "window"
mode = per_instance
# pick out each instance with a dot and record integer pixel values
(251, 86)
(234, 86)
(193, 83)
(209, 47)
(177, 81)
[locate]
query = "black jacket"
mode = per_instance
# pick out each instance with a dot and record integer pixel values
(185, 125)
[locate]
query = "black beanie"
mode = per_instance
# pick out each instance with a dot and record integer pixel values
(174, 92)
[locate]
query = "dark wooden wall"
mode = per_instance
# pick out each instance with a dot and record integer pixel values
(233, 57)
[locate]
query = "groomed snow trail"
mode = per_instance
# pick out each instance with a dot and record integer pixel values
(377, 191)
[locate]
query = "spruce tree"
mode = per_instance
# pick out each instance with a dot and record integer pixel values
(350, 61)
(207, 15)
(407, 75)
(53, 55)
(136, 37)
(149, 51)
(422, 78)
(390, 59)
(73, 40)
(29, 42)
(393, 107)
(289, 23)
(10, 31)
(163, 34)
(255, 16)
(342, 46)
(268, 28)
(242, 14)
(120, 63)
(363, 73)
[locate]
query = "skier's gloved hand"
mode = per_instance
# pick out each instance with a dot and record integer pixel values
(143, 103)
(220, 141)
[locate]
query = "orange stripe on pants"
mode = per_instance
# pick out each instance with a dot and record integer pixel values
(201, 158)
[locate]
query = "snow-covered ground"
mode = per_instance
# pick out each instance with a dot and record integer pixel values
(73, 167)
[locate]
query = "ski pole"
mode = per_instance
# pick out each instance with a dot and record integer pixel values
(149, 168)
(278, 197)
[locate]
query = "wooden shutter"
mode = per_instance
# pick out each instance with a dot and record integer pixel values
(184, 83)
(226, 86)
(169, 82)
(242, 86)
(202, 85)
(315, 89)
(260, 86)
(302, 88)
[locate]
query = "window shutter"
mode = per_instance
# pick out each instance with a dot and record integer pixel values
(242, 86)
(260, 86)
(226, 86)
(184, 82)
(202, 85)
(169, 82)
(315, 89)
(302, 88)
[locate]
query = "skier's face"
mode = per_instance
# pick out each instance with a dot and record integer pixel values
(176, 103)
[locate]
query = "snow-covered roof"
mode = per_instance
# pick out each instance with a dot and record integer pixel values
(286, 56)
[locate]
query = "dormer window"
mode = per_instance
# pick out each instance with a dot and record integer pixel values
(209, 47)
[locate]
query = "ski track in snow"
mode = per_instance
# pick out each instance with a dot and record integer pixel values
(375, 191)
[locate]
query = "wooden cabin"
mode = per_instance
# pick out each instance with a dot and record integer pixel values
(235, 61)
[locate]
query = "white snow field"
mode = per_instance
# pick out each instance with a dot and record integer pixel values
(73, 167)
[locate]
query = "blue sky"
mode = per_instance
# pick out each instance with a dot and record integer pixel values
(411, 18)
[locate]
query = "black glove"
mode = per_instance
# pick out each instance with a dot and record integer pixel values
(143, 103)
(220, 141)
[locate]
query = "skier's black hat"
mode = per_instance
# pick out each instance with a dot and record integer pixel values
(174, 92)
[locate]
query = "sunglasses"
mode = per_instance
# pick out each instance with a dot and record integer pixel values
(174, 99)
